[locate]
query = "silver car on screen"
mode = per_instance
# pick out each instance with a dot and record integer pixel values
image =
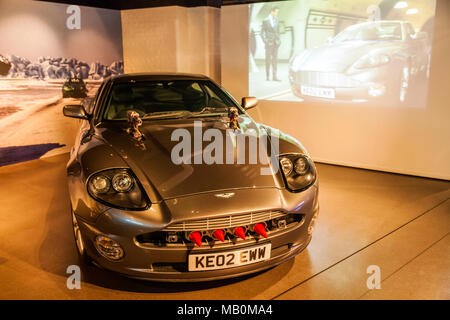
(368, 62)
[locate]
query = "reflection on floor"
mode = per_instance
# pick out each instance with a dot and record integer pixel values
(10, 155)
(399, 223)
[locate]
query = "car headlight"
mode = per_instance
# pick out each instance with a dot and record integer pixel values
(286, 166)
(372, 60)
(122, 182)
(117, 188)
(298, 171)
(99, 184)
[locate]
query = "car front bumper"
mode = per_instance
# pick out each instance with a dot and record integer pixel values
(367, 86)
(170, 262)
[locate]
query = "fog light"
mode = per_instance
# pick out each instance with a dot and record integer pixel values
(172, 237)
(281, 224)
(108, 248)
(377, 90)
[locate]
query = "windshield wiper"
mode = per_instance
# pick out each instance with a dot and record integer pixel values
(205, 112)
(167, 115)
(210, 112)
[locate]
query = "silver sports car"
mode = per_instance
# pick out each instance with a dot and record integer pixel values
(142, 212)
(371, 61)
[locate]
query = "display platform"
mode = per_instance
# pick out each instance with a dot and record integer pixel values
(366, 218)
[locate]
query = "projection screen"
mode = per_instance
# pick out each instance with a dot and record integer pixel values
(368, 52)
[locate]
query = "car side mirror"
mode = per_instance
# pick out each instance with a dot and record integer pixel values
(75, 111)
(249, 102)
(87, 104)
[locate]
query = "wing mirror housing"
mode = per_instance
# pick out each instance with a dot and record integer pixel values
(249, 102)
(75, 111)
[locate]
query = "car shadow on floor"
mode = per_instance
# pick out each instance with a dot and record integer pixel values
(111, 280)
(58, 251)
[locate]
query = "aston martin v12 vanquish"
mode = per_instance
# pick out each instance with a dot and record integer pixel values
(146, 203)
(375, 61)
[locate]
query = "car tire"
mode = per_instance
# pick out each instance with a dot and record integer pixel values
(79, 242)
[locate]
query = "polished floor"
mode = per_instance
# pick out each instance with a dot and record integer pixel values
(399, 223)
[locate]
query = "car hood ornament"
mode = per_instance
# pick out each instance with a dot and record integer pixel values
(233, 115)
(135, 121)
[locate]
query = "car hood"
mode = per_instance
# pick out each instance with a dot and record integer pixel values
(153, 165)
(338, 57)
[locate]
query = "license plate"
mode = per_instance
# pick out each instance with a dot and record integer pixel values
(318, 92)
(229, 259)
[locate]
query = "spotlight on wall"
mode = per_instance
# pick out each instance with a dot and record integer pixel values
(401, 5)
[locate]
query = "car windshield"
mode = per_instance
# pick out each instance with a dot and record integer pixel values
(371, 32)
(167, 99)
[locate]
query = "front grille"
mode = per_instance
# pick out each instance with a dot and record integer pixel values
(224, 222)
(275, 222)
(326, 79)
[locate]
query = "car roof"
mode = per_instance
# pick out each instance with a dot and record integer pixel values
(157, 76)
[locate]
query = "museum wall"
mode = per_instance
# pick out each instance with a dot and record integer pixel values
(42, 44)
(234, 47)
(172, 39)
(409, 140)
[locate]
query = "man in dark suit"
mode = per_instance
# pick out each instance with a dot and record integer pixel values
(270, 33)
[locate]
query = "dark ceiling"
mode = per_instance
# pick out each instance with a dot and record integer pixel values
(135, 4)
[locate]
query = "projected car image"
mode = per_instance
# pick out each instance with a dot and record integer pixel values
(74, 88)
(367, 62)
(136, 212)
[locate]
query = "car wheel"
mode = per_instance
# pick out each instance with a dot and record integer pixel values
(79, 242)
(404, 84)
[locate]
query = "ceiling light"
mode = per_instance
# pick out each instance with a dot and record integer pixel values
(401, 5)
(412, 11)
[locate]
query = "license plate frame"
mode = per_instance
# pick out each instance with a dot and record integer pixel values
(229, 259)
(319, 92)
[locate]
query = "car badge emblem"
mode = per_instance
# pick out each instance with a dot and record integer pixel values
(225, 195)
